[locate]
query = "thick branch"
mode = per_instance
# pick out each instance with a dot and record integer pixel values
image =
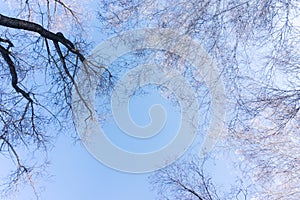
(14, 77)
(10, 44)
(31, 26)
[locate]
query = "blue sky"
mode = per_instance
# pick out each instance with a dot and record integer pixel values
(75, 174)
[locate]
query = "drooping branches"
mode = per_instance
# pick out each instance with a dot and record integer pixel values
(24, 123)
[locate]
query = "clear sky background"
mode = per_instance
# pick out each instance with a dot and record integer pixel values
(75, 174)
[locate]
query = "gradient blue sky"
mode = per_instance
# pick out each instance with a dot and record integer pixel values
(75, 174)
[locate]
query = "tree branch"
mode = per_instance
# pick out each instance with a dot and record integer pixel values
(186, 188)
(31, 26)
(14, 77)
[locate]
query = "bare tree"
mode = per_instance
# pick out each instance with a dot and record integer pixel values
(255, 44)
(184, 181)
(37, 68)
(188, 179)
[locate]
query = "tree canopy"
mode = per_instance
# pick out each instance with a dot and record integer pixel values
(254, 44)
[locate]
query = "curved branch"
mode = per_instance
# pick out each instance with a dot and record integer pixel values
(31, 26)
(14, 77)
